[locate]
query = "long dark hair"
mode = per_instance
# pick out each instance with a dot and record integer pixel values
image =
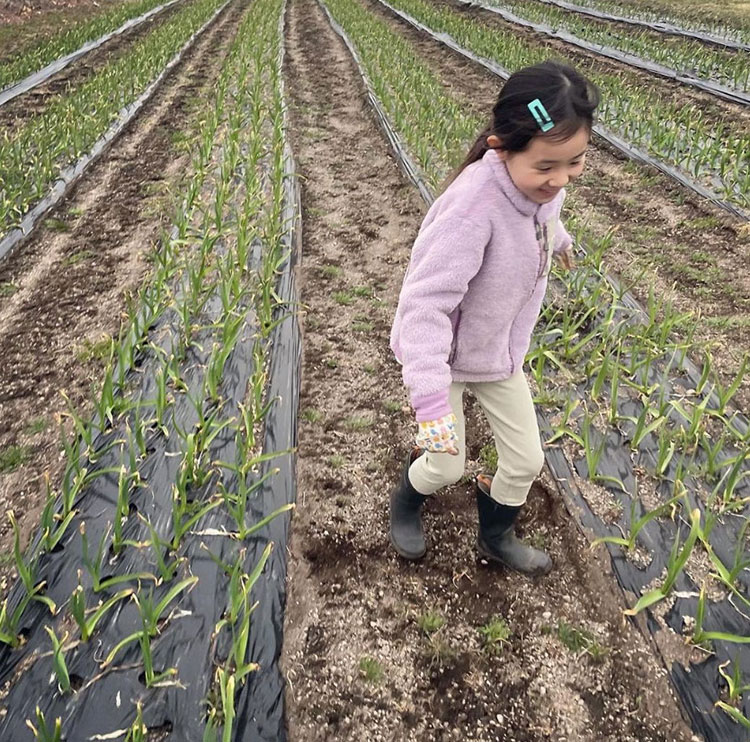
(569, 98)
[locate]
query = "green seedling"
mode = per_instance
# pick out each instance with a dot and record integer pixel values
(184, 518)
(153, 679)
(87, 625)
(138, 731)
(54, 525)
(726, 395)
(58, 660)
(677, 559)
(594, 453)
(735, 686)
(226, 682)
(240, 612)
(27, 570)
(734, 713)
(701, 637)
(730, 481)
(127, 480)
(563, 428)
(95, 564)
(495, 634)
(636, 526)
(151, 612)
(42, 732)
(666, 451)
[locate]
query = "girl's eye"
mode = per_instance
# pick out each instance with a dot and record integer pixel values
(544, 169)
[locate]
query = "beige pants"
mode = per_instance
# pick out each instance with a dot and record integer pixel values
(510, 413)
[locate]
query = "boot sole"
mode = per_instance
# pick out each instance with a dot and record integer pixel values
(485, 554)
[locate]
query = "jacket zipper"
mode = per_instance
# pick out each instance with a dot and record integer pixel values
(539, 271)
(454, 348)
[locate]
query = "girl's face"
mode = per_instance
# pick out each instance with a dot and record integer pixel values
(546, 165)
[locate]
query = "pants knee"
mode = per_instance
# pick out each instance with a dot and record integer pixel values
(526, 468)
(451, 469)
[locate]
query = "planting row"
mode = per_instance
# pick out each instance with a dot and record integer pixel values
(82, 36)
(665, 455)
(669, 16)
(35, 154)
(680, 55)
(714, 151)
(139, 583)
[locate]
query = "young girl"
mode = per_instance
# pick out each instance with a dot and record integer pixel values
(471, 298)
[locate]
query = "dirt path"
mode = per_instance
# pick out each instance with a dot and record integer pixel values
(358, 665)
(19, 110)
(692, 252)
(64, 292)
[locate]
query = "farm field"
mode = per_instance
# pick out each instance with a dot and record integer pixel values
(205, 220)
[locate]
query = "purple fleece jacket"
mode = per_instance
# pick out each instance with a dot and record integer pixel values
(474, 285)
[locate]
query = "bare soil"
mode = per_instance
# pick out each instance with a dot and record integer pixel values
(66, 288)
(358, 659)
(21, 109)
(667, 238)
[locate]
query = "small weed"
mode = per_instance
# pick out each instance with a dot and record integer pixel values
(371, 670)
(391, 406)
(368, 368)
(702, 222)
(430, 622)
(332, 363)
(580, 640)
(495, 633)
(77, 257)
(12, 457)
(488, 456)
(362, 326)
(336, 461)
(344, 298)
(7, 289)
(439, 652)
(56, 225)
(90, 351)
(330, 271)
(314, 211)
(311, 415)
(37, 425)
(364, 291)
(76, 211)
(359, 422)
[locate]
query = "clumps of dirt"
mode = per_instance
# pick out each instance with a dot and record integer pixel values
(375, 647)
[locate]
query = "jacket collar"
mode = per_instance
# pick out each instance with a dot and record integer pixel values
(522, 203)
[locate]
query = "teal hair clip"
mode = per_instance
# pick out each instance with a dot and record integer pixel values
(539, 112)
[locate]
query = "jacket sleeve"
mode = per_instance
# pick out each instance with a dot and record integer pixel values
(562, 239)
(447, 254)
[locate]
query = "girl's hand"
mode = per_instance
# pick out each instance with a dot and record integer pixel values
(439, 436)
(566, 258)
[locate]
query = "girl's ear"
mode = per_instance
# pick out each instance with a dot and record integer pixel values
(493, 142)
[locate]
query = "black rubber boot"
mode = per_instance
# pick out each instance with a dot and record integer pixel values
(407, 532)
(497, 539)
